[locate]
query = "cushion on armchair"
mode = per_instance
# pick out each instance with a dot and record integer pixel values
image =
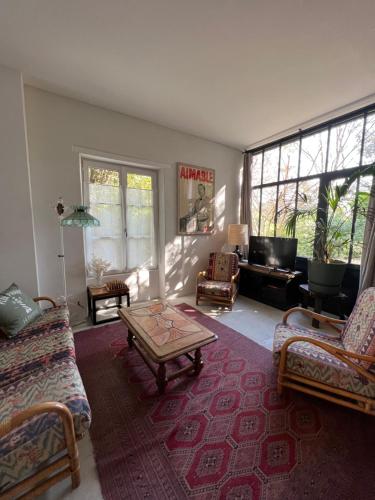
(309, 360)
(215, 288)
(222, 266)
(359, 333)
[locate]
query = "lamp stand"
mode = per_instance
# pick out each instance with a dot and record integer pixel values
(61, 256)
(238, 252)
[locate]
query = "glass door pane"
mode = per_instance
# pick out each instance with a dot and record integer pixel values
(140, 220)
(103, 193)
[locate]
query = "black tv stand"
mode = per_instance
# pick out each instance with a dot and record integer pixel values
(273, 286)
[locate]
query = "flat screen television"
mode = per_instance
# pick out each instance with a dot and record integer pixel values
(274, 252)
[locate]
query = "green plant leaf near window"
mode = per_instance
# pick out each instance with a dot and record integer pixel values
(333, 227)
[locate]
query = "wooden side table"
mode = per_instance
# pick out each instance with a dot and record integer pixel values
(95, 294)
(318, 298)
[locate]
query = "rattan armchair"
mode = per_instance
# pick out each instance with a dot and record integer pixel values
(219, 283)
(339, 368)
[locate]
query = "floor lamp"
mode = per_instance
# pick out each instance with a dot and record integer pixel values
(78, 218)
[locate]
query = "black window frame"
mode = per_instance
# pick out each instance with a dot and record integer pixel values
(326, 177)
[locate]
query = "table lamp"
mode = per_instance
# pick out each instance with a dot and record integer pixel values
(238, 234)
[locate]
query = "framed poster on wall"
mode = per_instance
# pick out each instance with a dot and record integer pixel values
(196, 194)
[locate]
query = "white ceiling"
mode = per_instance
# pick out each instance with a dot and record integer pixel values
(234, 71)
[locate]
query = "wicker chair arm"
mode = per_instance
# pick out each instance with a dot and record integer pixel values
(38, 299)
(49, 407)
(201, 276)
(340, 354)
(235, 277)
(311, 314)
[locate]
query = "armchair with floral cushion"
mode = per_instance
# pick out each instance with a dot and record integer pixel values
(337, 367)
(219, 283)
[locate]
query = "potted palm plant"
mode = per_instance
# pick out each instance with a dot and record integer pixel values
(325, 273)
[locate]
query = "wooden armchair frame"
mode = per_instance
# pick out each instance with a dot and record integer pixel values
(56, 470)
(314, 387)
(202, 276)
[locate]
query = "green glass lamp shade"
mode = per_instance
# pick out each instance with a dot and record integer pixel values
(80, 218)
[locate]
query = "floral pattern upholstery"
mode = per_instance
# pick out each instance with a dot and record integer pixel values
(359, 333)
(38, 365)
(311, 361)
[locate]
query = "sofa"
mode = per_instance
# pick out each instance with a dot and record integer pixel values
(43, 406)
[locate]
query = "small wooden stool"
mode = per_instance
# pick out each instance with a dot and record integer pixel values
(95, 294)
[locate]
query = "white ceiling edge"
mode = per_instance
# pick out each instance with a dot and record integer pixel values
(60, 92)
(335, 113)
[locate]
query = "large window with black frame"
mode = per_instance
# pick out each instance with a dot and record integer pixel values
(294, 172)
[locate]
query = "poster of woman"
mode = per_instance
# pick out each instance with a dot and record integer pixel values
(196, 192)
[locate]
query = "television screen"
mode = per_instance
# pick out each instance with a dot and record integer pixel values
(275, 252)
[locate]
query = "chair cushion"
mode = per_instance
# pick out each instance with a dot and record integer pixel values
(222, 266)
(359, 333)
(31, 445)
(215, 288)
(16, 310)
(311, 361)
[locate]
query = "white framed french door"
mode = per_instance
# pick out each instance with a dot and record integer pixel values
(125, 200)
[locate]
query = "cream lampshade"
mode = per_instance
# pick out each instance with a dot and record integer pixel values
(238, 234)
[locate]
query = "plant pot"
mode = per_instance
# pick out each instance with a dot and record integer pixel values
(326, 279)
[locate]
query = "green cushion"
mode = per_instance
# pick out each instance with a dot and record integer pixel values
(16, 310)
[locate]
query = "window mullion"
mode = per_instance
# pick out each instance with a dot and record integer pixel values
(260, 194)
(123, 177)
(277, 191)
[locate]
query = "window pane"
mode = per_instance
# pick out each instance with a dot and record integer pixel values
(308, 193)
(110, 217)
(255, 202)
(365, 185)
(345, 145)
(140, 221)
(105, 199)
(267, 223)
(138, 181)
(104, 176)
(110, 249)
(369, 145)
(341, 223)
(140, 253)
(286, 203)
(289, 160)
(270, 165)
(256, 169)
(313, 154)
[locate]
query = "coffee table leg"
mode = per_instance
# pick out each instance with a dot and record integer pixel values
(130, 339)
(198, 363)
(161, 379)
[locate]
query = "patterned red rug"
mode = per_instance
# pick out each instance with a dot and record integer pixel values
(223, 435)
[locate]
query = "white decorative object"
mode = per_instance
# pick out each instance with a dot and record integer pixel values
(98, 267)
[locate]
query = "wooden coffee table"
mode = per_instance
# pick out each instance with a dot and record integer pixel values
(161, 333)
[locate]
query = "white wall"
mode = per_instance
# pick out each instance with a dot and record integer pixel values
(17, 251)
(58, 125)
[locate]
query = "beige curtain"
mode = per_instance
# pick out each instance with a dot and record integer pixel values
(245, 209)
(367, 274)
